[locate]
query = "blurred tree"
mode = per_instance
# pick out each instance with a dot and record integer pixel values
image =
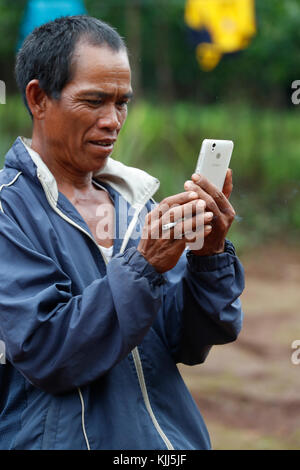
(10, 19)
(133, 17)
(162, 47)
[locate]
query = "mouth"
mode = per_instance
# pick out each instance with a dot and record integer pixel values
(103, 144)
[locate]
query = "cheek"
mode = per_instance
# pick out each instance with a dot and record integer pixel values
(123, 116)
(54, 124)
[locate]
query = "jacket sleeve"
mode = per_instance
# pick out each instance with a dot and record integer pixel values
(59, 341)
(201, 304)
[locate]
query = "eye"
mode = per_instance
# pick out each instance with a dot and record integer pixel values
(94, 102)
(122, 104)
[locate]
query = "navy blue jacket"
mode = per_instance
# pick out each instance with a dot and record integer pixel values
(92, 348)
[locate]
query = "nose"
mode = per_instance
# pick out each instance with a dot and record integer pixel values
(109, 119)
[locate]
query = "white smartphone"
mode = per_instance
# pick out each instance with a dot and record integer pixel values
(214, 159)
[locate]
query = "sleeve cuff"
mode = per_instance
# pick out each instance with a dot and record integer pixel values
(137, 261)
(214, 262)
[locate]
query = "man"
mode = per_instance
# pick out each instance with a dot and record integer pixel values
(92, 340)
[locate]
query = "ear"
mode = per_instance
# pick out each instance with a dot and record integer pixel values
(36, 99)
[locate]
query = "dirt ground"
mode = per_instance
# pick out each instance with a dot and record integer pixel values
(248, 391)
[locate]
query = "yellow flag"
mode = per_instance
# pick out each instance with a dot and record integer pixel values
(230, 23)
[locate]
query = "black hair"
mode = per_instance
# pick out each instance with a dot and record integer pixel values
(46, 54)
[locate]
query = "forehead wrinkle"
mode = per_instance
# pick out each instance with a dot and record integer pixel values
(118, 63)
(102, 81)
(99, 69)
(104, 94)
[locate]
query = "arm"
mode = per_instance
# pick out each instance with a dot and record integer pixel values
(201, 299)
(59, 341)
(201, 305)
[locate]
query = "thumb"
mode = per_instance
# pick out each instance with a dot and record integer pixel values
(227, 188)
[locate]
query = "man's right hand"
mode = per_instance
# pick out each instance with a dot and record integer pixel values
(163, 248)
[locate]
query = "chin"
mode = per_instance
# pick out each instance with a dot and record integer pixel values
(99, 165)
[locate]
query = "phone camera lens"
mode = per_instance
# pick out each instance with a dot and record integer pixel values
(213, 147)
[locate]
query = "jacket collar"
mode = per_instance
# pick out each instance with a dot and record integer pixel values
(136, 186)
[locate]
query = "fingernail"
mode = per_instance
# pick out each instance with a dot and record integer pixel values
(193, 195)
(196, 177)
(208, 228)
(209, 215)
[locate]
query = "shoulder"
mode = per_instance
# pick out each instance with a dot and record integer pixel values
(8, 176)
(8, 180)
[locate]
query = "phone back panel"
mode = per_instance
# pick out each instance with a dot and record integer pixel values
(214, 159)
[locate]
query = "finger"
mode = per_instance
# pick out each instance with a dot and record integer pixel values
(197, 235)
(179, 199)
(184, 211)
(172, 201)
(197, 221)
(218, 196)
(173, 222)
(192, 225)
(197, 242)
(227, 188)
(211, 204)
(158, 224)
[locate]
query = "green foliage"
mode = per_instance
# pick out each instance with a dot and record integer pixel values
(10, 18)
(14, 121)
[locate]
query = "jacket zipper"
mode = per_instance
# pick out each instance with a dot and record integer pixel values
(139, 368)
(135, 351)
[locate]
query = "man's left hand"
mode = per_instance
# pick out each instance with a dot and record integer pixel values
(216, 202)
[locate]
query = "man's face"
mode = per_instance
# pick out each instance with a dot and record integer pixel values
(80, 129)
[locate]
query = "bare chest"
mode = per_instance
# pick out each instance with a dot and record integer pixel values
(98, 213)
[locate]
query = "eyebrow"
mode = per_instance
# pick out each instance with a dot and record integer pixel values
(102, 94)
